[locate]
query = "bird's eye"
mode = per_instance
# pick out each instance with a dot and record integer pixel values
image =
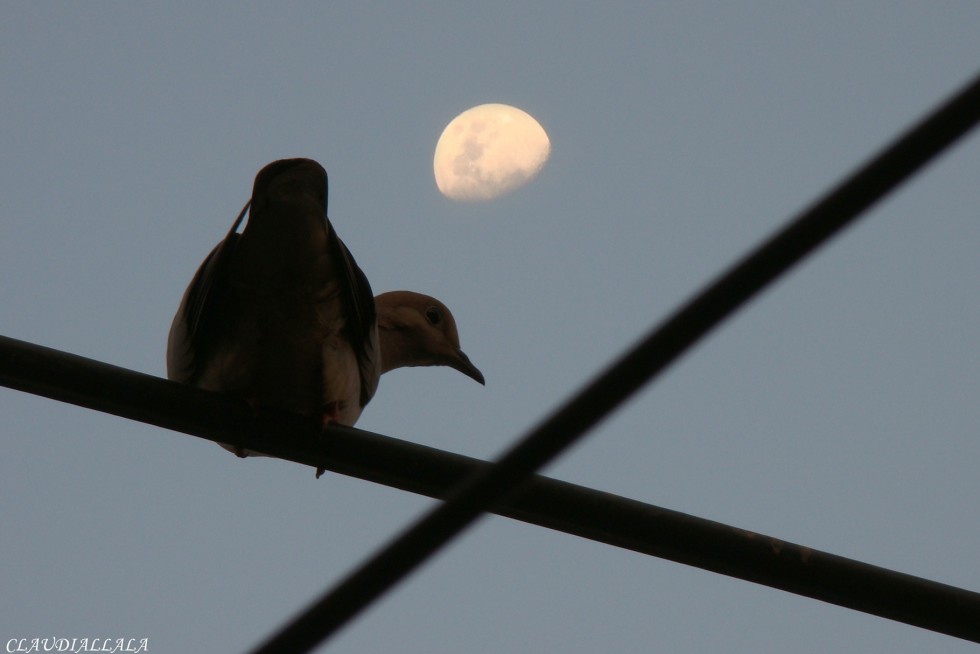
(433, 315)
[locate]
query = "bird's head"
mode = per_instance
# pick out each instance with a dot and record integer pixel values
(418, 330)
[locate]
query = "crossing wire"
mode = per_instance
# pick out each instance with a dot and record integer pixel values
(839, 208)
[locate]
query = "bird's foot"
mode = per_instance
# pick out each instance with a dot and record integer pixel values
(329, 415)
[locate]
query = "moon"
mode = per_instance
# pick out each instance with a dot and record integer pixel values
(488, 151)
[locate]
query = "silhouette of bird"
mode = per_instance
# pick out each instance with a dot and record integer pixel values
(282, 316)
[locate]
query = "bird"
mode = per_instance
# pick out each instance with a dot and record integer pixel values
(281, 315)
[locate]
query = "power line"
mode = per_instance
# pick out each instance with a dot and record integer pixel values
(558, 505)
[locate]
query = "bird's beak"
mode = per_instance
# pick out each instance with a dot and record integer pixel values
(462, 363)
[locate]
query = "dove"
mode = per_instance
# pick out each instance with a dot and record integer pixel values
(282, 316)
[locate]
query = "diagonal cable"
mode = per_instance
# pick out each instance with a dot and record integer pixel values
(662, 347)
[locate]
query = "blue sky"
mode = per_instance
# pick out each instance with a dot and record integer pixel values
(838, 410)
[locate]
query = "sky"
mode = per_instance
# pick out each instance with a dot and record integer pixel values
(837, 410)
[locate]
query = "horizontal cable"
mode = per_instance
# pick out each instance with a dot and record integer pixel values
(558, 505)
(664, 345)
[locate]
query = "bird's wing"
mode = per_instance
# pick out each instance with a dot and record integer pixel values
(195, 330)
(361, 326)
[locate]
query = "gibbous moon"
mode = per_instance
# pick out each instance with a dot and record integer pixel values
(488, 151)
